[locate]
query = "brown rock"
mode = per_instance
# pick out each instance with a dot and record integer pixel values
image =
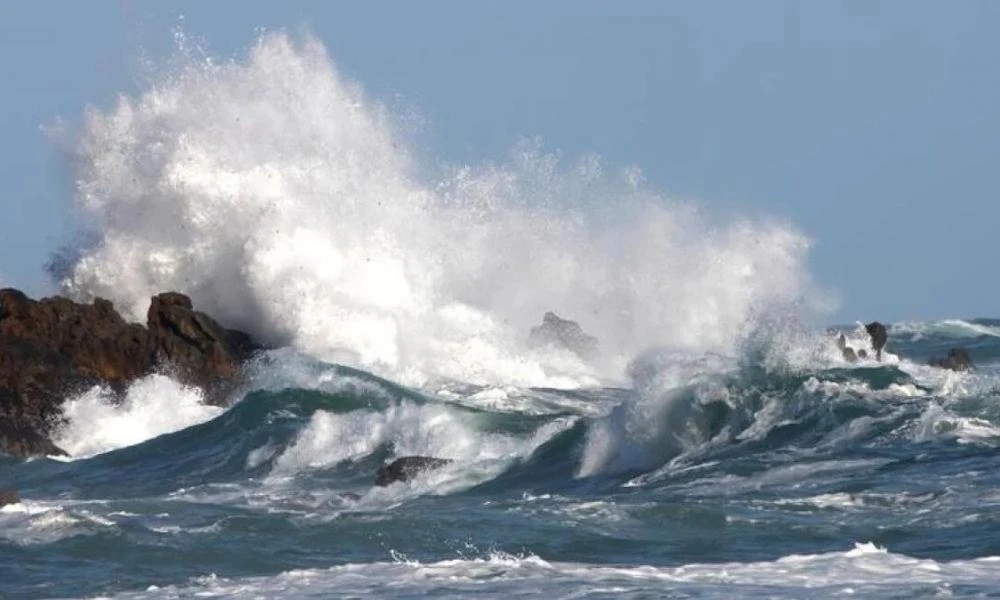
(9, 497)
(55, 347)
(201, 351)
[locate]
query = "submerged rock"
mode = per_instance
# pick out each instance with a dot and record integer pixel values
(556, 331)
(55, 347)
(9, 497)
(847, 352)
(879, 336)
(403, 469)
(958, 359)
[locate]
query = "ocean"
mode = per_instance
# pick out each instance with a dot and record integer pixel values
(874, 479)
(714, 445)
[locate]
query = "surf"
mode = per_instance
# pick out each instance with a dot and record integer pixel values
(715, 433)
(287, 203)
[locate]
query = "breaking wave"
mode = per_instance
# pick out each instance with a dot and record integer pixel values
(286, 202)
(97, 422)
(865, 570)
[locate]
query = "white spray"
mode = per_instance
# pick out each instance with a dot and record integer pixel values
(153, 406)
(283, 201)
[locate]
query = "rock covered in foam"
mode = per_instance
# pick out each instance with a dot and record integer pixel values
(402, 469)
(848, 353)
(563, 333)
(54, 347)
(958, 359)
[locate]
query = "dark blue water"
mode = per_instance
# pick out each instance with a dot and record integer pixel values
(703, 477)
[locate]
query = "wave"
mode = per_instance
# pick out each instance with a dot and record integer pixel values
(687, 455)
(329, 427)
(160, 440)
(286, 202)
(950, 328)
(866, 570)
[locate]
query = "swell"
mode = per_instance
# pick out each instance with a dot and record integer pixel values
(770, 462)
(251, 438)
(337, 436)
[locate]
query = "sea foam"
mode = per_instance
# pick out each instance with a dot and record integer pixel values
(865, 570)
(95, 422)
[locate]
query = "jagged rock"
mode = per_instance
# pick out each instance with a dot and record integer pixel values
(564, 333)
(958, 359)
(9, 497)
(54, 347)
(879, 336)
(402, 469)
(201, 351)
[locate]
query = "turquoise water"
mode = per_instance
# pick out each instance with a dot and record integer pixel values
(876, 479)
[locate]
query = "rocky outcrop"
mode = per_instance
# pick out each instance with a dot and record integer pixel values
(559, 332)
(407, 467)
(879, 336)
(958, 359)
(8, 497)
(54, 347)
(198, 350)
(848, 353)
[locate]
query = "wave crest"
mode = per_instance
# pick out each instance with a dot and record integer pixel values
(284, 202)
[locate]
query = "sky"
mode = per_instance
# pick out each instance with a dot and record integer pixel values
(873, 127)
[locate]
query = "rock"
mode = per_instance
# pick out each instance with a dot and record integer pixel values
(879, 336)
(848, 352)
(849, 355)
(55, 347)
(9, 497)
(958, 359)
(862, 354)
(556, 331)
(841, 341)
(402, 469)
(201, 351)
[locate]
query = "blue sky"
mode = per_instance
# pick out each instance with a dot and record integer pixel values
(872, 126)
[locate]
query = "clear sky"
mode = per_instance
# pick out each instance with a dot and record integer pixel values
(874, 127)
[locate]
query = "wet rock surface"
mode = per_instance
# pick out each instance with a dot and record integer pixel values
(53, 348)
(407, 467)
(879, 336)
(958, 359)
